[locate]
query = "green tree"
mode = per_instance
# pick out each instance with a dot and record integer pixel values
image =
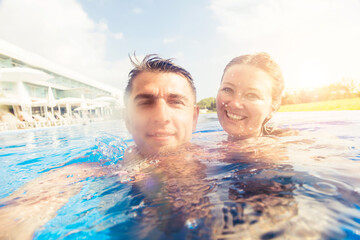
(208, 103)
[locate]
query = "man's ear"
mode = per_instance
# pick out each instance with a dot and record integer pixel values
(195, 117)
(127, 120)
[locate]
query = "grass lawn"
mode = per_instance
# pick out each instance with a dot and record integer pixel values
(342, 104)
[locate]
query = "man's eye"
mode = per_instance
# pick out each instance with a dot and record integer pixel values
(144, 103)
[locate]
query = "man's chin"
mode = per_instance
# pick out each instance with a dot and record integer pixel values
(161, 150)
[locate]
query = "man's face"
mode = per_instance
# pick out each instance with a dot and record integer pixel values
(161, 112)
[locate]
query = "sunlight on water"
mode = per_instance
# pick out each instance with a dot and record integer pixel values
(303, 185)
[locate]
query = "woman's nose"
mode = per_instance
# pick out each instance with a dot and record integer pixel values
(237, 101)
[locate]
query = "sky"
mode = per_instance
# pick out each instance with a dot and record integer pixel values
(315, 42)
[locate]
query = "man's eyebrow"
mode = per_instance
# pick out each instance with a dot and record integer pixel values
(178, 96)
(153, 97)
(144, 96)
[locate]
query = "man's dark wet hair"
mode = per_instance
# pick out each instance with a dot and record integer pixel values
(156, 64)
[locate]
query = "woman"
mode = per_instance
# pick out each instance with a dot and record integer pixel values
(249, 95)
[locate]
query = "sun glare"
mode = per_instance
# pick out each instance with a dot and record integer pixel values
(314, 75)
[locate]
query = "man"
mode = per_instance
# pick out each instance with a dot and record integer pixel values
(160, 114)
(160, 101)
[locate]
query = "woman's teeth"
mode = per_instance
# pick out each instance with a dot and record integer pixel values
(234, 116)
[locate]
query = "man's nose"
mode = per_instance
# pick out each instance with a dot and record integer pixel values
(162, 112)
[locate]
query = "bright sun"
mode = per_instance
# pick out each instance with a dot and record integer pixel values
(313, 74)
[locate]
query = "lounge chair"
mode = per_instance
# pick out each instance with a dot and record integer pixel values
(66, 120)
(79, 119)
(42, 122)
(28, 119)
(52, 120)
(4, 126)
(10, 122)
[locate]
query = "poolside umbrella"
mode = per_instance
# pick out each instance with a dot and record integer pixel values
(85, 108)
(22, 94)
(39, 103)
(24, 98)
(10, 102)
(68, 102)
(105, 99)
(51, 100)
(103, 102)
(21, 75)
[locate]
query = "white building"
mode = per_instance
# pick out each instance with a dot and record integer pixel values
(34, 85)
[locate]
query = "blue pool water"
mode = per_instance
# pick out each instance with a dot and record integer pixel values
(296, 186)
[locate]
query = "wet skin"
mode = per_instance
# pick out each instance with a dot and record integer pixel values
(244, 101)
(161, 112)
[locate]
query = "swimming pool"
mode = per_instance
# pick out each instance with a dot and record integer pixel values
(296, 186)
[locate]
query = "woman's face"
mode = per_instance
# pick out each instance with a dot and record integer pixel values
(244, 100)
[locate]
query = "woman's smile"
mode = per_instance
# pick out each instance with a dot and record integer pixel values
(233, 116)
(244, 100)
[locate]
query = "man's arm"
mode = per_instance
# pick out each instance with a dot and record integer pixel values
(35, 203)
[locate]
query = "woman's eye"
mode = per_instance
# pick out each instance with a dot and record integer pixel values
(253, 96)
(227, 90)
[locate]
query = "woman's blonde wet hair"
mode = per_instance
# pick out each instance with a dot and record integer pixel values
(264, 62)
